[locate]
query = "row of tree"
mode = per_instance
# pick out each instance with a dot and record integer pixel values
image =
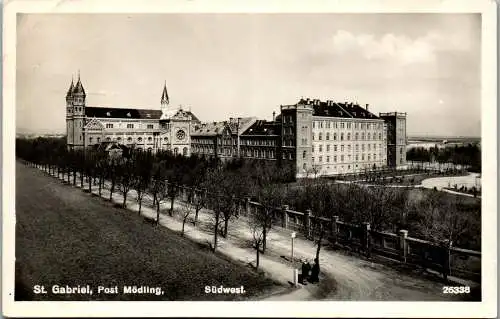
(223, 188)
(466, 155)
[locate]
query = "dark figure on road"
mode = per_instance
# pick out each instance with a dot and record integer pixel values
(315, 272)
(306, 267)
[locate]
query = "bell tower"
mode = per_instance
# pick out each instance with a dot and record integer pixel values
(69, 115)
(79, 97)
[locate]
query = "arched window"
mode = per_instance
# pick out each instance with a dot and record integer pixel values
(150, 139)
(90, 139)
(185, 151)
(129, 139)
(139, 139)
(98, 140)
(119, 139)
(327, 136)
(334, 136)
(108, 138)
(356, 136)
(304, 154)
(176, 151)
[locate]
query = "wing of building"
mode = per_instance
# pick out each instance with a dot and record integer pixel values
(313, 137)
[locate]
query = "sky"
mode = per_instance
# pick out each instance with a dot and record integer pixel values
(230, 65)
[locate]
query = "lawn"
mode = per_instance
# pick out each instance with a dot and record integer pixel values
(67, 237)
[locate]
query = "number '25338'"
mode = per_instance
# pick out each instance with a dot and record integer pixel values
(456, 290)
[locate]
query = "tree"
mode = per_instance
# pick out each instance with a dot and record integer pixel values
(126, 179)
(215, 178)
(199, 201)
(142, 179)
(186, 209)
(257, 235)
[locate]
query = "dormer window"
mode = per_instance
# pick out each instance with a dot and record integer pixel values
(108, 113)
(128, 114)
(147, 115)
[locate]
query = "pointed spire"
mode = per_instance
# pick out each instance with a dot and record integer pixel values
(79, 87)
(70, 90)
(164, 95)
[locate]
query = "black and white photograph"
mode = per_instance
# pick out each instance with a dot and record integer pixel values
(240, 155)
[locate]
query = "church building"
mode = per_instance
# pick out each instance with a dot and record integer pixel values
(168, 128)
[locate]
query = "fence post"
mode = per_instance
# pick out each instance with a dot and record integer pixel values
(403, 245)
(446, 258)
(335, 228)
(284, 216)
(307, 223)
(366, 238)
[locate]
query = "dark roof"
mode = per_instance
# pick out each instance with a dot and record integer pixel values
(164, 95)
(263, 127)
(335, 109)
(111, 112)
(78, 89)
(102, 112)
(70, 90)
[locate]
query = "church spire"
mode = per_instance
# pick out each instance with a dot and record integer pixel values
(78, 89)
(70, 90)
(164, 95)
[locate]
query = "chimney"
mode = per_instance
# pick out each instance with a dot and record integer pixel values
(367, 106)
(274, 116)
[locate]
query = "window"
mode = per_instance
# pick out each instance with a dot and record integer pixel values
(342, 147)
(349, 147)
(312, 159)
(290, 156)
(140, 139)
(314, 124)
(119, 139)
(368, 136)
(356, 136)
(109, 125)
(321, 124)
(362, 136)
(130, 125)
(348, 136)
(341, 158)
(348, 125)
(98, 140)
(313, 148)
(108, 138)
(362, 157)
(334, 136)
(374, 157)
(335, 159)
(341, 136)
(150, 126)
(313, 136)
(320, 159)
(357, 157)
(304, 154)
(328, 147)
(328, 159)
(327, 136)
(379, 136)
(150, 139)
(129, 139)
(321, 148)
(165, 139)
(334, 148)
(369, 146)
(369, 156)
(363, 147)
(357, 147)
(320, 136)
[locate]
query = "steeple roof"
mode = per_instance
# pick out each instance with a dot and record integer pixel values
(79, 87)
(164, 95)
(70, 90)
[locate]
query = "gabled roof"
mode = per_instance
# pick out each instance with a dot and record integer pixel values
(336, 109)
(262, 127)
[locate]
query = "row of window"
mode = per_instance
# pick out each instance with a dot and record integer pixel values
(129, 125)
(76, 109)
(348, 125)
(348, 136)
(335, 148)
(342, 158)
(128, 139)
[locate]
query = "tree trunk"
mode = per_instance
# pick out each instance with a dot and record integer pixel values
(226, 224)
(183, 224)
(216, 231)
(81, 180)
(196, 216)
(171, 211)
(264, 239)
(100, 185)
(124, 199)
(90, 185)
(157, 212)
(258, 255)
(111, 190)
(74, 177)
(320, 239)
(140, 202)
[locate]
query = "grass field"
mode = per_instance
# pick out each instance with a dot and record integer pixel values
(67, 237)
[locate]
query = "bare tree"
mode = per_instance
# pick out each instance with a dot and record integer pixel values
(126, 178)
(257, 235)
(186, 209)
(199, 201)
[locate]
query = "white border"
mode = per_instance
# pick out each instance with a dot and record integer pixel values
(486, 308)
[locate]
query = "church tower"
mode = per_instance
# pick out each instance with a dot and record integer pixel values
(69, 115)
(164, 99)
(79, 97)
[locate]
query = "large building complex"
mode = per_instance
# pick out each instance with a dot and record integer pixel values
(149, 129)
(312, 137)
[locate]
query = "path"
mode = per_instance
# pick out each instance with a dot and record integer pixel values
(346, 277)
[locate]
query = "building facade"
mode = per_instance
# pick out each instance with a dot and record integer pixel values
(396, 138)
(148, 129)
